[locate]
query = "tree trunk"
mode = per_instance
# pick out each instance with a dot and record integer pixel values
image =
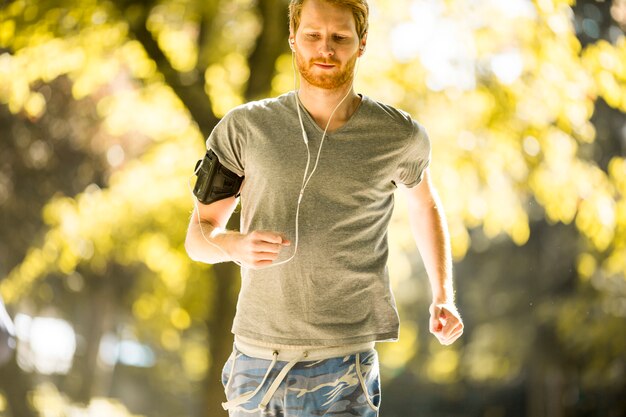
(16, 384)
(271, 43)
(99, 321)
(227, 280)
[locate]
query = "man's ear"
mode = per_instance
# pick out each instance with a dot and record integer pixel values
(362, 45)
(292, 42)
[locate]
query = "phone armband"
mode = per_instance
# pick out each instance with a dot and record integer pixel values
(215, 182)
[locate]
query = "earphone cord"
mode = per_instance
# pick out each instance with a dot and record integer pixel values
(305, 180)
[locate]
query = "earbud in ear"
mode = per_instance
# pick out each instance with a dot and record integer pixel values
(292, 45)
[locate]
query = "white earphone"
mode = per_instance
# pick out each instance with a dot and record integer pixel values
(307, 177)
(305, 138)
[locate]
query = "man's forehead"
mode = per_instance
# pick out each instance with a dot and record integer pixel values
(320, 25)
(318, 13)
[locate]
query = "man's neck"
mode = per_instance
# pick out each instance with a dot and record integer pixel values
(320, 103)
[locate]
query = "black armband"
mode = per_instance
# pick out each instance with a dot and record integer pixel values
(215, 182)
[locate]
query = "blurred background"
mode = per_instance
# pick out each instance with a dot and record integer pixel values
(104, 109)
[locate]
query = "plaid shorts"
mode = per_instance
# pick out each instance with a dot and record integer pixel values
(340, 386)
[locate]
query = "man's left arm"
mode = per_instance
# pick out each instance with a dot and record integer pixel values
(430, 231)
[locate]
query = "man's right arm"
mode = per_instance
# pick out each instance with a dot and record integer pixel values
(208, 240)
(208, 224)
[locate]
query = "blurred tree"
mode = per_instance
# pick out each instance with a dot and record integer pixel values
(110, 58)
(104, 109)
(542, 320)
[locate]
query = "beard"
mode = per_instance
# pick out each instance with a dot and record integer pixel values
(328, 80)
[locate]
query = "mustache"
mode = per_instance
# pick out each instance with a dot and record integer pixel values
(324, 61)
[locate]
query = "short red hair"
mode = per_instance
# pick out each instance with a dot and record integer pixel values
(360, 11)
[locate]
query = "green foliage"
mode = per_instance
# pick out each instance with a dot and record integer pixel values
(509, 111)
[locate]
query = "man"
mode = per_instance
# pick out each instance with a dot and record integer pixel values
(320, 166)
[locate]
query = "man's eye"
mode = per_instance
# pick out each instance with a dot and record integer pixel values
(312, 35)
(340, 38)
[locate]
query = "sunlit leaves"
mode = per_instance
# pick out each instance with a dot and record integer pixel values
(84, 58)
(225, 82)
(615, 264)
(596, 218)
(175, 26)
(171, 267)
(518, 136)
(395, 356)
(607, 63)
(51, 403)
(603, 321)
(195, 359)
(503, 88)
(35, 105)
(154, 112)
(443, 365)
(586, 265)
(284, 79)
(515, 136)
(98, 222)
(495, 352)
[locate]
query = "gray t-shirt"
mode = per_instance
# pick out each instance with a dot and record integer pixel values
(336, 290)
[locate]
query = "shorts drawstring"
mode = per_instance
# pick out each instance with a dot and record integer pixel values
(246, 397)
(363, 385)
(272, 389)
(290, 355)
(283, 373)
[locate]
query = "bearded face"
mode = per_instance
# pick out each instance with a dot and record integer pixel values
(326, 44)
(327, 73)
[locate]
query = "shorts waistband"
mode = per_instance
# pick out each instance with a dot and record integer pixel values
(292, 356)
(306, 354)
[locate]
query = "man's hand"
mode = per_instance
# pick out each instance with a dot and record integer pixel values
(445, 322)
(255, 249)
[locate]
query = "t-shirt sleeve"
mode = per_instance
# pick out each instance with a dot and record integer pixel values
(415, 158)
(228, 141)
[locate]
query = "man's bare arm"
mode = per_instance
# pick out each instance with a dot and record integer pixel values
(208, 240)
(430, 231)
(208, 222)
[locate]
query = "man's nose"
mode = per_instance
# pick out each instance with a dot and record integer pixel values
(326, 48)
